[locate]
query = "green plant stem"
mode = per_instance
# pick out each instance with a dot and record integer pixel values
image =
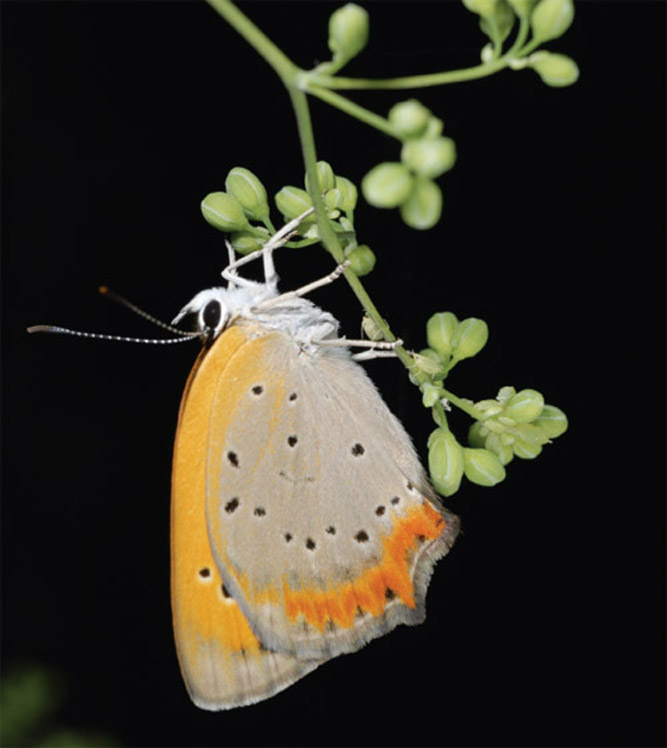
(257, 39)
(328, 235)
(410, 81)
(298, 82)
(354, 110)
(465, 405)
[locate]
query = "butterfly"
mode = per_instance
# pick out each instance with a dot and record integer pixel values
(302, 523)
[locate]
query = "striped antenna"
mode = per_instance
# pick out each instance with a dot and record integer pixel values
(182, 336)
(134, 308)
(119, 338)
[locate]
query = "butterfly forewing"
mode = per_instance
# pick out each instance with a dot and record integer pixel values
(223, 663)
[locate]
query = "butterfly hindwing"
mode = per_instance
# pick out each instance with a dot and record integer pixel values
(322, 522)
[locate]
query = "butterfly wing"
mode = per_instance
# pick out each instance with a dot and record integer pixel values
(322, 521)
(223, 663)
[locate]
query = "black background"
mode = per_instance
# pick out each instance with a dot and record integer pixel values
(546, 623)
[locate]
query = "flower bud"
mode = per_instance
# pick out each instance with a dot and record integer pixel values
(525, 406)
(477, 435)
(429, 362)
(430, 394)
(552, 421)
(522, 8)
(362, 260)
(529, 434)
(333, 200)
(409, 117)
(505, 393)
(494, 443)
(292, 202)
(434, 127)
(445, 462)
(482, 467)
(349, 192)
(528, 441)
(245, 242)
(429, 157)
(526, 450)
(551, 19)
(484, 8)
(499, 24)
(387, 185)
(554, 69)
(325, 175)
(223, 212)
(469, 338)
(423, 208)
(348, 31)
(249, 191)
(439, 332)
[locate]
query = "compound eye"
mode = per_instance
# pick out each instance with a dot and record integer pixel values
(211, 315)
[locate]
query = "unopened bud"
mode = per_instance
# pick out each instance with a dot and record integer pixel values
(249, 191)
(445, 462)
(223, 212)
(483, 467)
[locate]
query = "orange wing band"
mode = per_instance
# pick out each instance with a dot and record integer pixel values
(372, 591)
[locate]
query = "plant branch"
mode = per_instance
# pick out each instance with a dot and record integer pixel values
(354, 110)
(411, 81)
(257, 39)
(328, 235)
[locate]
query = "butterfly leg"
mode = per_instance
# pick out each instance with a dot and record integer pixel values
(229, 273)
(330, 278)
(375, 349)
(279, 239)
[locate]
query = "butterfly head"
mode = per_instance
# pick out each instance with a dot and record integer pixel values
(214, 309)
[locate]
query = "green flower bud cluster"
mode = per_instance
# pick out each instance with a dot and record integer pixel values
(244, 204)
(516, 424)
(450, 340)
(496, 18)
(549, 19)
(338, 193)
(425, 155)
(232, 211)
(340, 199)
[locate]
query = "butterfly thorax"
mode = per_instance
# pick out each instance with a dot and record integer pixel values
(260, 306)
